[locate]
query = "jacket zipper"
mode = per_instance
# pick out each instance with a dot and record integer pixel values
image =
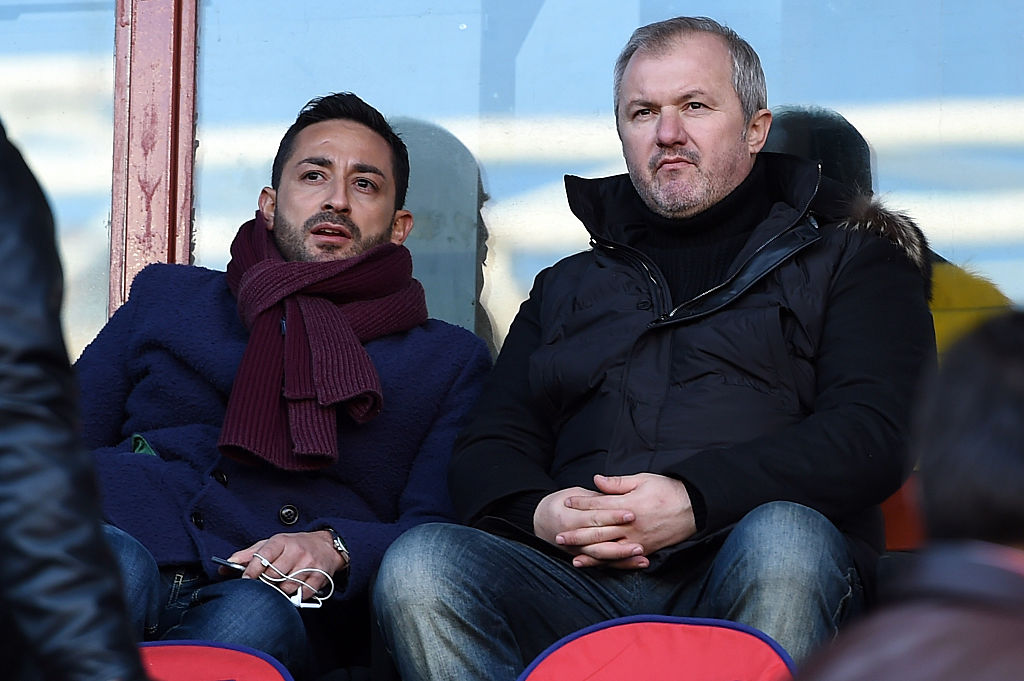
(640, 262)
(800, 216)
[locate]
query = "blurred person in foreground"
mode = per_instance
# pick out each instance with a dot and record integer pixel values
(699, 415)
(957, 610)
(61, 613)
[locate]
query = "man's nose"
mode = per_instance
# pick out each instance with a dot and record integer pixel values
(671, 130)
(336, 198)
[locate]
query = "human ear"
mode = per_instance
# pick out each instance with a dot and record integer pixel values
(401, 226)
(268, 205)
(757, 130)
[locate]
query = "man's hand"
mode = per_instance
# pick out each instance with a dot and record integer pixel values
(290, 552)
(555, 519)
(661, 506)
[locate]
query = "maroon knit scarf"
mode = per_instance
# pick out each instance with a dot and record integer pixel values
(307, 323)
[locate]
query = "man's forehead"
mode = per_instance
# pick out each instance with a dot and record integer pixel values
(710, 45)
(341, 141)
(702, 57)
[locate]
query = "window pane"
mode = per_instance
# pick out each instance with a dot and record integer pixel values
(56, 94)
(525, 88)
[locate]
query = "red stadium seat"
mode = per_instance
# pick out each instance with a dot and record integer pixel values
(206, 661)
(657, 648)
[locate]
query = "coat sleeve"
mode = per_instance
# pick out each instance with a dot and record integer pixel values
(58, 583)
(135, 473)
(104, 381)
(424, 497)
(849, 453)
(505, 450)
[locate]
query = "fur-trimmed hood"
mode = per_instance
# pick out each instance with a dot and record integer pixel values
(865, 212)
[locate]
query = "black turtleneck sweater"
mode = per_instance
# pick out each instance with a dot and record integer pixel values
(694, 253)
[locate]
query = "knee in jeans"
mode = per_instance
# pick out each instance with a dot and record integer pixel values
(245, 612)
(785, 540)
(413, 558)
(414, 568)
(249, 600)
(782, 514)
(256, 597)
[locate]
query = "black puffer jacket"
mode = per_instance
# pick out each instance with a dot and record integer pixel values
(792, 380)
(60, 604)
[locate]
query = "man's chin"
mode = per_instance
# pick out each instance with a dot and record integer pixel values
(332, 252)
(327, 254)
(672, 204)
(334, 257)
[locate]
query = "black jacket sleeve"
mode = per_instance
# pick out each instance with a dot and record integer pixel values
(501, 459)
(62, 612)
(850, 452)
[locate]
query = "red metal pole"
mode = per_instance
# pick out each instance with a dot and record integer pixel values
(154, 138)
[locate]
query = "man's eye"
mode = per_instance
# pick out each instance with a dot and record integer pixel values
(642, 113)
(695, 105)
(364, 183)
(312, 175)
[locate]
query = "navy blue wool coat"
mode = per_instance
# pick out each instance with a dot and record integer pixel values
(154, 386)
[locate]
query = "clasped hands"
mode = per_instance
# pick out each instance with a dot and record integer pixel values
(627, 519)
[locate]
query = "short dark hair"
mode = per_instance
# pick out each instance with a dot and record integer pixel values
(346, 106)
(969, 437)
(825, 136)
(747, 74)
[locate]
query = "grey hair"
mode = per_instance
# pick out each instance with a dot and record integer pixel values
(747, 74)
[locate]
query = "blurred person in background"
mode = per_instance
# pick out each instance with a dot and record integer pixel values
(960, 298)
(957, 610)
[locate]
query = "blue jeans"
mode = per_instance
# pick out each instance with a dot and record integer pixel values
(454, 602)
(183, 603)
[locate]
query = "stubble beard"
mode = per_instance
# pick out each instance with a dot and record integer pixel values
(682, 197)
(672, 196)
(291, 241)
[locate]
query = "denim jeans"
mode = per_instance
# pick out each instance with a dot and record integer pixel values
(457, 603)
(183, 603)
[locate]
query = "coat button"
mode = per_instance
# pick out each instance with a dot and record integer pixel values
(288, 515)
(220, 476)
(197, 519)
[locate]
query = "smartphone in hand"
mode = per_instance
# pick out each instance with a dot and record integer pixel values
(228, 564)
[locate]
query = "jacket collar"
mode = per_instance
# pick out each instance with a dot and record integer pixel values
(607, 206)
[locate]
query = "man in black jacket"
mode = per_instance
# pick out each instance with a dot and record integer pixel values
(62, 614)
(696, 417)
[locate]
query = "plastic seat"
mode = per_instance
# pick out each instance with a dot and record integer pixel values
(659, 648)
(207, 661)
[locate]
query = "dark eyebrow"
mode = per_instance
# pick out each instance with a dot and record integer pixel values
(367, 168)
(317, 161)
(357, 167)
